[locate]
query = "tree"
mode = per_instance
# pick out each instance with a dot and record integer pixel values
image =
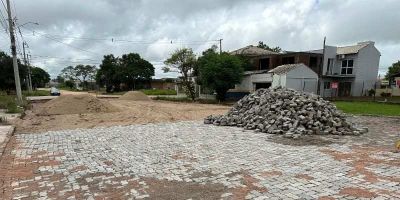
(220, 72)
(135, 69)
(106, 75)
(39, 77)
(82, 72)
(7, 81)
(183, 61)
(394, 69)
(266, 47)
(69, 73)
(79, 73)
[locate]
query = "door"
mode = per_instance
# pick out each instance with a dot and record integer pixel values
(344, 89)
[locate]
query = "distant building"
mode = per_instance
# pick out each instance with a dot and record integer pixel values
(163, 84)
(353, 69)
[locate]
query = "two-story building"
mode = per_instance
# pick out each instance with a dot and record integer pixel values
(353, 69)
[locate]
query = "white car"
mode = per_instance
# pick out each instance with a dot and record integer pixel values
(54, 91)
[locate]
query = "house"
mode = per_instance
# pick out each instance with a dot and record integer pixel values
(353, 69)
(295, 76)
(262, 61)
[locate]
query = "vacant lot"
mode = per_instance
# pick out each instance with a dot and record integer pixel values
(131, 112)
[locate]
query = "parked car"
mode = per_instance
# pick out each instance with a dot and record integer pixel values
(54, 91)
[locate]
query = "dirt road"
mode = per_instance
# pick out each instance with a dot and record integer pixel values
(132, 112)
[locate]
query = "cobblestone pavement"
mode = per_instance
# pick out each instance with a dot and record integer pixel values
(190, 160)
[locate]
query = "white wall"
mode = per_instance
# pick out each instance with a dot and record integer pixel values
(248, 82)
(330, 52)
(366, 69)
(278, 80)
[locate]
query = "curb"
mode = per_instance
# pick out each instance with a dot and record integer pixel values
(3, 145)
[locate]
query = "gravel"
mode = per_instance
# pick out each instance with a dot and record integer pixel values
(288, 112)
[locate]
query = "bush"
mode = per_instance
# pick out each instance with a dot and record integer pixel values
(386, 94)
(371, 92)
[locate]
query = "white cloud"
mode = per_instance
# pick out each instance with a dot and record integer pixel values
(290, 24)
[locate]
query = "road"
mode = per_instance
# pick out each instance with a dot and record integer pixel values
(183, 160)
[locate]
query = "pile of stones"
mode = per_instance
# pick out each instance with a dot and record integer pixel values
(288, 112)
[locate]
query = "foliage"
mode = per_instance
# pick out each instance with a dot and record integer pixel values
(130, 69)
(394, 69)
(9, 102)
(7, 81)
(39, 77)
(69, 84)
(159, 92)
(371, 92)
(264, 46)
(81, 73)
(370, 108)
(219, 72)
(183, 61)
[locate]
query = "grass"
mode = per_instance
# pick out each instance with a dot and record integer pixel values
(9, 102)
(368, 108)
(37, 93)
(159, 92)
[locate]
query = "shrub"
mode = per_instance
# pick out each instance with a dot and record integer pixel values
(371, 92)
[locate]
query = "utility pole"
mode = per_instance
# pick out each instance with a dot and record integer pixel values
(321, 68)
(14, 54)
(220, 46)
(28, 57)
(28, 76)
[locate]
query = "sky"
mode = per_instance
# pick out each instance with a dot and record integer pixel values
(72, 32)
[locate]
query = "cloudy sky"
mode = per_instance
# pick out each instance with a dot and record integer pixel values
(74, 32)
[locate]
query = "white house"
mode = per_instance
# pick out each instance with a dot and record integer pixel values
(295, 76)
(354, 68)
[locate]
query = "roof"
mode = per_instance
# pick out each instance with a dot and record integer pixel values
(351, 49)
(252, 51)
(283, 69)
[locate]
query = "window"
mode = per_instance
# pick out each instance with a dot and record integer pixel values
(347, 67)
(264, 63)
(287, 60)
(313, 62)
(327, 85)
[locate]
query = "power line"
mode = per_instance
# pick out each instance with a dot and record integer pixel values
(61, 42)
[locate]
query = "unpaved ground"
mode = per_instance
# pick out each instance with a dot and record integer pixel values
(132, 112)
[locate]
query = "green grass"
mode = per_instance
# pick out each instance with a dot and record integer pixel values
(37, 93)
(9, 102)
(159, 92)
(369, 108)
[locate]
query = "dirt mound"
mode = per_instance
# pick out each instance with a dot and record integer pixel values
(135, 96)
(75, 104)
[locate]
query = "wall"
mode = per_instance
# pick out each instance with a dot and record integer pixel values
(245, 85)
(248, 81)
(366, 70)
(278, 80)
(302, 79)
(330, 52)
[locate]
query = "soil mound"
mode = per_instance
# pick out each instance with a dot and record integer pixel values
(75, 104)
(135, 96)
(286, 111)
